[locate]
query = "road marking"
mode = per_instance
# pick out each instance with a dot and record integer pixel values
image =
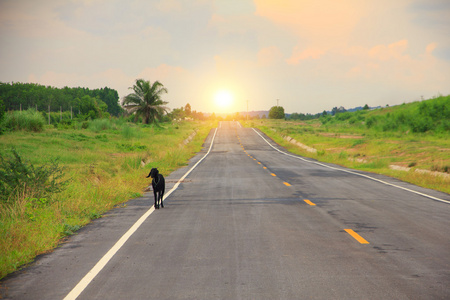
(79, 288)
(309, 202)
(273, 174)
(286, 184)
(356, 236)
(354, 173)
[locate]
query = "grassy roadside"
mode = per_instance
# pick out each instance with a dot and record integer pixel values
(367, 150)
(106, 165)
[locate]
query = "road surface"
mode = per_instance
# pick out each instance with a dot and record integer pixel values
(250, 222)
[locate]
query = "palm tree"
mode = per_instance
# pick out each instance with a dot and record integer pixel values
(146, 100)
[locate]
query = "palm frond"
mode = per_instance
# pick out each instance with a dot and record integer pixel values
(146, 100)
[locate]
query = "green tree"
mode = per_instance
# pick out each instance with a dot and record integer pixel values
(146, 101)
(276, 112)
(2, 108)
(178, 113)
(188, 109)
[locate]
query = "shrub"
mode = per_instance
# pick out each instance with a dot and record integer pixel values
(20, 178)
(29, 120)
(129, 132)
(343, 116)
(421, 124)
(100, 124)
(371, 121)
(325, 119)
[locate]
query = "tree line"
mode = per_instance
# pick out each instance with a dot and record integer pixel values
(16, 96)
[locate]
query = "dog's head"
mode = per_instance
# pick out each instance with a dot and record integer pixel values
(153, 173)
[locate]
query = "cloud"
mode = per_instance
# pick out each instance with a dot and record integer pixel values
(169, 6)
(310, 53)
(430, 48)
(391, 65)
(269, 56)
(393, 51)
(321, 23)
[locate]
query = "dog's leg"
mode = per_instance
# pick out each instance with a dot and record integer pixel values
(156, 198)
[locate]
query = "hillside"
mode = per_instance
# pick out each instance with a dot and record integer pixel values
(432, 116)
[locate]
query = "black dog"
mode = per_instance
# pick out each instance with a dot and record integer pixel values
(159, 185)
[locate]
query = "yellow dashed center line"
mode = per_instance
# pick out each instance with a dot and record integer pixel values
(356, 236)
(309, 202)
(259, 163)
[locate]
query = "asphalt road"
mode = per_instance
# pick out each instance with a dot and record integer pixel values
(238, 227)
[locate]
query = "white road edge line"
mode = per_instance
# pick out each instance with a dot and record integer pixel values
(79, 288)
(354, 173)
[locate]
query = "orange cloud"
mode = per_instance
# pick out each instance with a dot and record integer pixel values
(269, 56)
(321, 22)
(430, 48)
(309, 53)
(392, 51)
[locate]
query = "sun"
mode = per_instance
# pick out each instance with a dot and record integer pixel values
(223, 99)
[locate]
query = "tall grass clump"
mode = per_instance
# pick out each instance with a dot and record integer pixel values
(29, 120)
(129, 132)
(18, 177)
(98, 125)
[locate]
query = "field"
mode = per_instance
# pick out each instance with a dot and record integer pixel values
(104, 165)
(62, 177)
(410, 142)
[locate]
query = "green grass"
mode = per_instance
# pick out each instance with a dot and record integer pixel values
(29, 120)
(372, 148)
(104, 165)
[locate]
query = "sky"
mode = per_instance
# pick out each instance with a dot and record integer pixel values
(306, 56)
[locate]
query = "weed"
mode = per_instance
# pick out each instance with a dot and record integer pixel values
(98, 125)
(29, 120)
(94, 215)
(358, 142)
(127, 147)
(102, 137)
(70, 229)
(343, 155)
(441, 168)
(136, 195)
(18, 177)
(320, 152)
(129, 132)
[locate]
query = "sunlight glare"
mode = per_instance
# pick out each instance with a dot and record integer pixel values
(223, 99)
